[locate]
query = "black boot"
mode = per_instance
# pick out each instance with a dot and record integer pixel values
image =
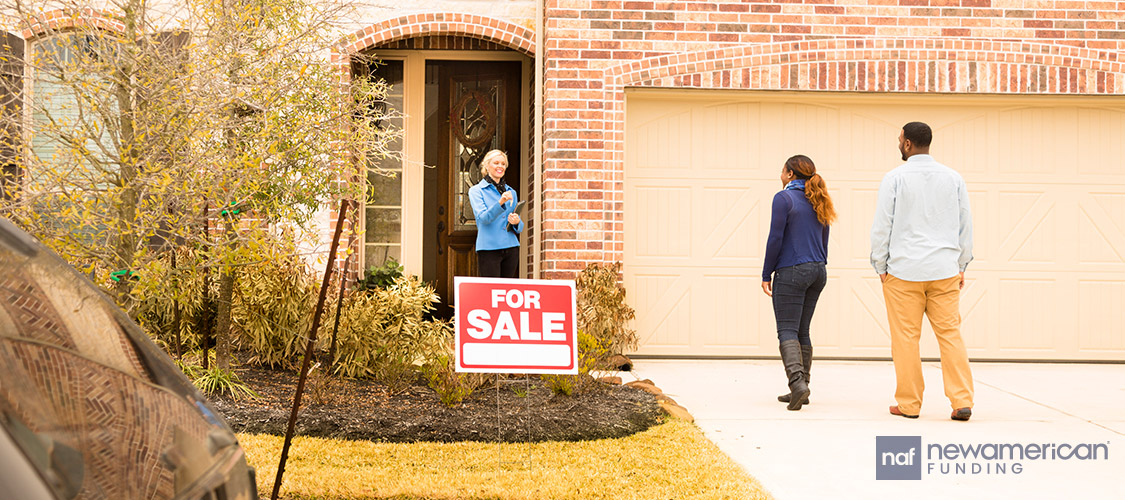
(806, 360)
(795, 371)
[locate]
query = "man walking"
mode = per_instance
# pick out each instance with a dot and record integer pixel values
(921, 243)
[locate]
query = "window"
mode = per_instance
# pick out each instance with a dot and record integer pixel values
(71, 103)
(383, 214)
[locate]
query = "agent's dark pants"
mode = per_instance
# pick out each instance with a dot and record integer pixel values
(795, 292)
(503, 263)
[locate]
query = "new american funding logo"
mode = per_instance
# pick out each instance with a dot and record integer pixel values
(907, 458)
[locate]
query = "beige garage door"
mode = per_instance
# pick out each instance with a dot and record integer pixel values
(1046, 177)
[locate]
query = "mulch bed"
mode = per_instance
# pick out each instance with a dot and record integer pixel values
(364, 409)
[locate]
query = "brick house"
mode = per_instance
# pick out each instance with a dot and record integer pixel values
(659, 128)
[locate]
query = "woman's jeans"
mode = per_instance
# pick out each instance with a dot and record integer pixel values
(795, 291)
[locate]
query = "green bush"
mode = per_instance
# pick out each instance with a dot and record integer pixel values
(217, 381)
(273, 304)
(384, 333)
(381, 276)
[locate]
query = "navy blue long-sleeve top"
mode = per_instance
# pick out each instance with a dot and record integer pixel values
(796, 236)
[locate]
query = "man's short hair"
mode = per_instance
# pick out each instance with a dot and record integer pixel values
(918, 133)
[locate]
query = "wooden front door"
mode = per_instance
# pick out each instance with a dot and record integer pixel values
(480, 105)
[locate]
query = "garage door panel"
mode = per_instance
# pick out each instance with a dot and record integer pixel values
(1106, 215)
(811, 130)
(976, 304)
(856, 208)
(720, 293)
(728, 223)
(1029, 312)
(868, 312)
(662, 129)
(1101, 241)
(984, 232)
(1099, 146)
(1029, 224)
(1101, 315)
(1113, 205)
(665, 300)
(664, 221)
(866, 134)
(962, 142)
(1030, 139)
(1046, 185)
(725, 136)
(830, 316)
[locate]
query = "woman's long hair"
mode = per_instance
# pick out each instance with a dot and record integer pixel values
(815, 189)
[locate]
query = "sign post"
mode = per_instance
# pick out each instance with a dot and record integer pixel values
(515, 326)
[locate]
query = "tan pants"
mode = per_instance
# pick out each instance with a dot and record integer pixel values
(940, 301)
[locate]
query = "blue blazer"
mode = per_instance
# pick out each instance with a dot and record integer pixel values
(492, 217)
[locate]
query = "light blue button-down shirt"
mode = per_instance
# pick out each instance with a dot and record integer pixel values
(923, 228)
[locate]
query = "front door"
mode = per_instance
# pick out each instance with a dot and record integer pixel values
(477, 110)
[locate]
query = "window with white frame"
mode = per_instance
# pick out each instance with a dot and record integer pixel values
(71, 102)
(383, 213)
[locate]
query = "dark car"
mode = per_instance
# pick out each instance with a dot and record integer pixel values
(89, 407)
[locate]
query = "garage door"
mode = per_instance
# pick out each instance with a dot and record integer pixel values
(1046, 177)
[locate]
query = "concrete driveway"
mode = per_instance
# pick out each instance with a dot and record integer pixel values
(828, 449)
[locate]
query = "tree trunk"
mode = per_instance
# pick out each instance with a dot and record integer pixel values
(226, 295)
(125, 234)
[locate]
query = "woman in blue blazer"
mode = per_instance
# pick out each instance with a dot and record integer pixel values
(498, 227)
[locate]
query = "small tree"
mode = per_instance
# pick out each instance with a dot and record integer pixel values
(146, 125)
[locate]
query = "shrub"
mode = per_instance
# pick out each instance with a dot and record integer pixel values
(381, 276)
(602, 311)
(321, 385)
(160, 289)
(273, 304)
(217, 381)
(603, 318)
(383, 333)
(451, 386)
(591, 352)
(562, 385)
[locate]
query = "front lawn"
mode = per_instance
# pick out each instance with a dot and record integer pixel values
(669, 461)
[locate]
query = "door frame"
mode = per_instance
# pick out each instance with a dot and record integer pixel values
(414, 143)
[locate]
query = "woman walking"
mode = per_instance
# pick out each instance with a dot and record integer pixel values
(794, 272)
(498, 227)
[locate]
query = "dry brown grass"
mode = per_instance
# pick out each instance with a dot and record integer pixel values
(670, 461)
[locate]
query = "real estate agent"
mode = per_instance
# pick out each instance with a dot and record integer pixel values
(498, 227)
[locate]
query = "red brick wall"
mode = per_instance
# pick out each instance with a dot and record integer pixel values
(595, 49)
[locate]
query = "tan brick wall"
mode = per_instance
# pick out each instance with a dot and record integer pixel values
(596, 48)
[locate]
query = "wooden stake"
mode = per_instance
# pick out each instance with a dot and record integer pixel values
(309, 347)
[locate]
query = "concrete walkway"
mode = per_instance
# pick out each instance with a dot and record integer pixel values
(828, 449)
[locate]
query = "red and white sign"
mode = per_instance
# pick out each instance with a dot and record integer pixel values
(515, 326)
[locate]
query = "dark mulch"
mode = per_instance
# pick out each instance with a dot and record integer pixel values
(364, 409)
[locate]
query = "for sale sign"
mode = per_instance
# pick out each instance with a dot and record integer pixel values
(515, 326)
